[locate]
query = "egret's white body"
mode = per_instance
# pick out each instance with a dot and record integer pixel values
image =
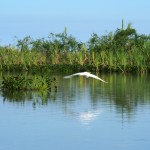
(86, 74)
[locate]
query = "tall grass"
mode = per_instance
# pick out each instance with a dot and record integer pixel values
(122, 51)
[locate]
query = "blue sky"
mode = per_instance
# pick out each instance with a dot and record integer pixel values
(37, 18)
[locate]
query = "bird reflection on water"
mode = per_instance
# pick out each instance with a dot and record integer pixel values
(85, 117)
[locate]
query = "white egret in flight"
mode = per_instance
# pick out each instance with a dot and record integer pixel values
(86, 74)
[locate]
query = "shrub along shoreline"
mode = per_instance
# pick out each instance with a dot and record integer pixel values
(122, 51)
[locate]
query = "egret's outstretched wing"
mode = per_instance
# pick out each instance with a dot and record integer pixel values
(70, 76)
(86, 74)
(96, 77)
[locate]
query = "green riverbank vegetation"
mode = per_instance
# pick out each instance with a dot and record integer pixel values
(121, 51)
(29, 83)
(23, 86)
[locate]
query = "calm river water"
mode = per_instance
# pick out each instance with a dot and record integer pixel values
(84, 114)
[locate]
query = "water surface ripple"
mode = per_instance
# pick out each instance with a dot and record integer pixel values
(84, 114)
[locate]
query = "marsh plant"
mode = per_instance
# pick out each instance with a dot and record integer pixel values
(121, 51)
(22, 82)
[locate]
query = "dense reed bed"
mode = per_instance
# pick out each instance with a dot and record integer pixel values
(121, 51)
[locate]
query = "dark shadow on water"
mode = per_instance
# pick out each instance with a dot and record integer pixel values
(35, 97)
